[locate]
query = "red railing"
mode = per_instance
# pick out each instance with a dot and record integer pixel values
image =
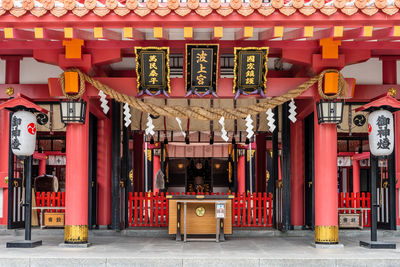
(252, 210)
(148, 209)
(356, 200)
(151, 209)
(50, 199)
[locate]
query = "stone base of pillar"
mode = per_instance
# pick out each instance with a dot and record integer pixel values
(330, 246)
(74, 245)
(326, 234)
(76, 234)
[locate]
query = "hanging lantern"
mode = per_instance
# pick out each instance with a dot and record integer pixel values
(380, 132)
(73, 111)
(330, 111)
(23, 133)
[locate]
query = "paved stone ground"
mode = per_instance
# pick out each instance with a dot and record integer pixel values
(156, 248)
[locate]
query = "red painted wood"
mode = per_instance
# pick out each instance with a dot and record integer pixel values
(76, 186)
(104, 171)
(261, 162)
(297, 172)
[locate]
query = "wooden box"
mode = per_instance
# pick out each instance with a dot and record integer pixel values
(54, 219)
(204, 224)
(350, 220)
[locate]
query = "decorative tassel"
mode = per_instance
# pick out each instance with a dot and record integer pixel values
(292, 111)
(249, 125)
(223, 131)
(271, 120)
(104, 102)
(127, 115)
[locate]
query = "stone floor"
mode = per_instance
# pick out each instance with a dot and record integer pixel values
(154, 247)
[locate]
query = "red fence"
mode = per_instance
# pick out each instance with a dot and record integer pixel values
(356, 200)
(252, 210)
(151, 209)
(50, 199)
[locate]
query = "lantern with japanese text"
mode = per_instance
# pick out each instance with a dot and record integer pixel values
(23, 133)
(381, 134)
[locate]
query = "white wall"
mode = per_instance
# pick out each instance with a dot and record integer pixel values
(32, 71)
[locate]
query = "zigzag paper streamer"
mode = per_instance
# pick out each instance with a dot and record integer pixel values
(223, 131)
(292, 111)
(249, 125)
(150, 126)
(127, 115)
(271, 120)
(180, 126)
(103, 101)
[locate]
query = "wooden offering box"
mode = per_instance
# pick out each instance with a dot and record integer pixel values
(200, 214)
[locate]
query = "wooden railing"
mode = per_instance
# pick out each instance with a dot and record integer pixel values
(356, 200)
(151, 209)
(50, 199)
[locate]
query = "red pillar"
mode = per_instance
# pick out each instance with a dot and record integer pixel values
(241, 174)
(326, 214)
(42, 167)
(138, 162)
(261, 162)
(11, 77)
(356, 176)
(297, 172)
(156, 168)
(76, 184)
(104, 147)
(389, 76)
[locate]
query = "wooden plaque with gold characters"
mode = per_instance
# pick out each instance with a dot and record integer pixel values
(54, 219)
(152, 69)
(250, 70)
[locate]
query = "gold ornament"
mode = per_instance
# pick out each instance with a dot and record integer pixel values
(392, 92)
(10, 91)
(200, 211)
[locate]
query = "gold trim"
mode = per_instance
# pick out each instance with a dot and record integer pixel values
(200, 196)
(216, 68)
(235, 68)
(76, 234)
(138, 76)
(200, 211)
(327, 234)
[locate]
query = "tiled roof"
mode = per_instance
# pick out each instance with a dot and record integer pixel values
(79, 8)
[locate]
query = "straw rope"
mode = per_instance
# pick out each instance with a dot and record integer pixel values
(206, 113)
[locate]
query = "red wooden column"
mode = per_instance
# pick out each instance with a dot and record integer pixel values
(261, 162)
(76, 182)
(356, 176)
(42, 167)
(326, 214)
(389, 76)
(104, 147)
(138, 162)
(11, 77)
(241, 172)
(297, 173)
(156, 168)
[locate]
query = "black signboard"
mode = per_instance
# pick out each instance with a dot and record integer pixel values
(250, 70)
(201, 68)
(152, 68)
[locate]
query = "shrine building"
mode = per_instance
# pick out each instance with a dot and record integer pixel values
(144, 107)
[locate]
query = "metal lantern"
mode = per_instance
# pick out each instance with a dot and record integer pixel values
(330, 111)
(73, 111)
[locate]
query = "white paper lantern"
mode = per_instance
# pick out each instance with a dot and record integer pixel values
(381, 134)
(23, 133)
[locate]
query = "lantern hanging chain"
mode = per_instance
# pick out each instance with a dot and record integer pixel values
(203, 113)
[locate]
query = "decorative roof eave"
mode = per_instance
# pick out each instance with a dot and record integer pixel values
(307, 8)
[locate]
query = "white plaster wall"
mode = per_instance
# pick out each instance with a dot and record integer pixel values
(369, 72)
(32, 71)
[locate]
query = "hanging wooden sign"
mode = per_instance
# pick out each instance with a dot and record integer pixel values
(201, 68)
(250, 70)
(152, 69)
